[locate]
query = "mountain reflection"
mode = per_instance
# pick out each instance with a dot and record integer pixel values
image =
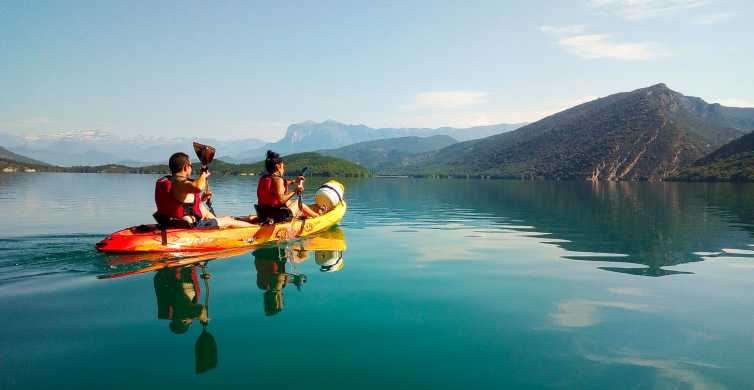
(655, 225)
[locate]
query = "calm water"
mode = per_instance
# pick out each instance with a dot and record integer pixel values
(442, 284)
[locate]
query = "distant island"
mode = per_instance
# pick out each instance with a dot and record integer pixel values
(317, 164)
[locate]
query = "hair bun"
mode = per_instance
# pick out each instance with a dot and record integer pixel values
(271, 154)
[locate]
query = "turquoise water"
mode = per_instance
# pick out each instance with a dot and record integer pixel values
(443, 284)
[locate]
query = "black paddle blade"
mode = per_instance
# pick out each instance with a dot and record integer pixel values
(205, 153)
(205, 352)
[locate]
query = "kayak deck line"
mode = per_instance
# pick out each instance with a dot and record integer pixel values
(150, 238)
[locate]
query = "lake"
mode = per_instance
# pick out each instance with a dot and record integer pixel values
(425, 284)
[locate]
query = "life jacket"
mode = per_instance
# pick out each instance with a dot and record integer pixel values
(269, 208)
(170, 208)
(167, 287)
(265, 196)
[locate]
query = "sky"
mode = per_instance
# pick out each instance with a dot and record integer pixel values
(248, 69)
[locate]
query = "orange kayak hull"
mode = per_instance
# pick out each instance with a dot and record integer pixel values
(150, 239)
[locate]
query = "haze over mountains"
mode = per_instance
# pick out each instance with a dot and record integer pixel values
(330, 134)
(94, 147)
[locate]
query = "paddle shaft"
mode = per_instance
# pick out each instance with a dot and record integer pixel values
(206, 190)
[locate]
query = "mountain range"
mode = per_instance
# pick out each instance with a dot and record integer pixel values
(330, 134)
(647, 134)
(651, 133)
(94, 147)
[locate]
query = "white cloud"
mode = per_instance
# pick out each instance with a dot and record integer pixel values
(560, 30)
(580, 313)
(446, 100)
(712, 18)
(633, 291)
(682, 371)
(736, 102)
(643, 9)
(593, 46)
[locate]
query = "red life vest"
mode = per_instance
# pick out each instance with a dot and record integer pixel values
(265, 196)
(168, 206)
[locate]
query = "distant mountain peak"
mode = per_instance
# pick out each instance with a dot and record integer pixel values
(659, 86)
(646, 134)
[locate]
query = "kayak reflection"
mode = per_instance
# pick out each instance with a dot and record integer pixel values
(276, 265)
(178, 293)
(182, 282)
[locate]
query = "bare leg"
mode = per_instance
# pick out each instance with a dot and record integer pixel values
(308, 212)
(225, 222)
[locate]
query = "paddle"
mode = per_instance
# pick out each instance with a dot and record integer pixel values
(206, 154)
(300, 200)
(205, 349)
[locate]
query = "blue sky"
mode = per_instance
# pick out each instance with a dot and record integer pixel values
(246, 69)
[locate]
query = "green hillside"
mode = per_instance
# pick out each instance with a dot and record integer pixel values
(732, 162)
(7, 155)
(318, 164)
(738, 167)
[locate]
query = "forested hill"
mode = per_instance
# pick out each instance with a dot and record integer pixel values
(318, 165)
(732, 162)
(647, 134)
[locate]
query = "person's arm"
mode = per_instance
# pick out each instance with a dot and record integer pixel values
(280, 190)
(184, 187)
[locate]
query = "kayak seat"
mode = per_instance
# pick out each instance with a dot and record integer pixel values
(268, 215)
(144, 228)
(164, 222)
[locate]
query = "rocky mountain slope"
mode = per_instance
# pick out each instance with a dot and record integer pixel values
(647, 134)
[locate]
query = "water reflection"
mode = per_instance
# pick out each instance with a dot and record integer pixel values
(276, 266)
(182, 282)
(179, 294)
(655, 225)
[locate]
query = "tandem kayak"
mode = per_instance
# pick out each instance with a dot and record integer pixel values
(328, 248)
(150, 238)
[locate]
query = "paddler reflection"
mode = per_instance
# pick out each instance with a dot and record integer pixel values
(178, 292)
(276, 265)
(270, 263)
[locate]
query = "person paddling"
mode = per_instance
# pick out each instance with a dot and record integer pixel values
(179, 199)
(273, 196)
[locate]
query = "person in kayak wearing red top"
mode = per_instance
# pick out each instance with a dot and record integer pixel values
(180, 199)
(272, 191)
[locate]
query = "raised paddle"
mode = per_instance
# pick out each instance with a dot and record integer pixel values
(206, 154)
(300, 200)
